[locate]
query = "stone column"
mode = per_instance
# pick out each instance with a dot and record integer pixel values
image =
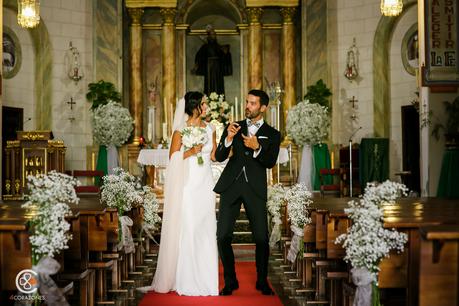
(288, 60)
(255, 63)
(135, 53)
(168, 62)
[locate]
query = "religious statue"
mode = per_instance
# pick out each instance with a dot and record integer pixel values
(213, 61)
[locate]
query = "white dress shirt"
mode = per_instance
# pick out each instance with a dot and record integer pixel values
(253, 129)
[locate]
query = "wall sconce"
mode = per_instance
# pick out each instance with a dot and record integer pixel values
(28, 13)
(351, 72)
(391, 7)
(74, 64)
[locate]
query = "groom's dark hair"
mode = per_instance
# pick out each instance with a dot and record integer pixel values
(192, 102)
(264, 98)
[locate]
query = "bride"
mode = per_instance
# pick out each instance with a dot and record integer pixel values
(188, 255)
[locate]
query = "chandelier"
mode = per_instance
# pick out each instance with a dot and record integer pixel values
(28, 13)
(391, 7)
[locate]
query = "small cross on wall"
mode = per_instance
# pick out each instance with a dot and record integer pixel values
(353, 101)
(71, 103)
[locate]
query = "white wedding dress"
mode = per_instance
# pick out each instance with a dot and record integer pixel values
(188, 254)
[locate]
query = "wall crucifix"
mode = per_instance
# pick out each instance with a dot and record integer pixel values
(353, 101)
(71, 103)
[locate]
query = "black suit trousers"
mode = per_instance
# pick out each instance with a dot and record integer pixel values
(239, 193)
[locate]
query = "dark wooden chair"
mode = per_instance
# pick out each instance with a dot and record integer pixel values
(91, 174)
(335, 188)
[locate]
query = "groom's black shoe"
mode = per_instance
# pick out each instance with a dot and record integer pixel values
(228, 289)
(264, 288)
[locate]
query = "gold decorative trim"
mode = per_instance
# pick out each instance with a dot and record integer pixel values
(150, 3)
(218, 32)
(168, 15)
(288, 14)
(13, 143)
(272, 26)
(34, 135)
(136, 16)
(281, 3)
(254, 14)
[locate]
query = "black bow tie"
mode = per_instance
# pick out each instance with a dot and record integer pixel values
(250, 123)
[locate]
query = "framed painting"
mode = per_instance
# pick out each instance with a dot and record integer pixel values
(12, 55)
(441, 43)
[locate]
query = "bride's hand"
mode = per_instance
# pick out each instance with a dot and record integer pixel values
(196, 149)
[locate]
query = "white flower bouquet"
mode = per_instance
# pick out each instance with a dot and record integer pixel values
(298, 199)
(48, 196)
(367, 242)
(112, 124)
(308, 123)
(193, 136)
(219, 109)
(121, 190)
(276, 198)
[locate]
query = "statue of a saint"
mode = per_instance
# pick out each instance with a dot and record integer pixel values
(213, 61)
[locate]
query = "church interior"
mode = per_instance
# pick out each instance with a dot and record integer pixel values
(362, 92)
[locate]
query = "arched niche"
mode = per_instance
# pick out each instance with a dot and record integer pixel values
(381, 80)
(43, 71)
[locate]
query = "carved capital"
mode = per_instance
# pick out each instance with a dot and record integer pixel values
(254, 14)
(288, 14)
(168, 15)
(136, 16)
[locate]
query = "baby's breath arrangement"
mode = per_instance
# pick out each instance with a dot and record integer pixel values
(308, 123)
(298, 199)
(112, 124)
(367, 242)
(49, 196)
(276, 198)
(219, 109)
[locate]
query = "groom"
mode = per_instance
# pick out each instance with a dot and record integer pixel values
(255, 146)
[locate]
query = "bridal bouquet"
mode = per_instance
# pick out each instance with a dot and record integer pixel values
(276, 198)
(112, 124)
(219, 110)
(367, 242)
(308, 123)
(298, 199)
(194, 136)
(49, 196)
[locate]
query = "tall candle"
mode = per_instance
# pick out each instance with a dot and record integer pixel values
(242, 109)
(236, 112)
(149, 132)
(164, 130)
(332, 158)
(232, 113)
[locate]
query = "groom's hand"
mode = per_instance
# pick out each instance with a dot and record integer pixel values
(251, 142)
(233, 128)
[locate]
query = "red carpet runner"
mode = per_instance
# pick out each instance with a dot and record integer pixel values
(246, 295)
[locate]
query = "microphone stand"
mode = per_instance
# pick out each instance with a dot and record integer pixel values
(350, 161)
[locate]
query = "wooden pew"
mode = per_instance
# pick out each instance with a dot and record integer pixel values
(438, 266)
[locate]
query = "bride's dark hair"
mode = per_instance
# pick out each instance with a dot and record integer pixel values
(192, 102)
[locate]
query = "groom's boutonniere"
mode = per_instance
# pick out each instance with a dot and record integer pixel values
(194, 136)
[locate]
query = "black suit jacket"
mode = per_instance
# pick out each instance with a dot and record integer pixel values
(269, 138)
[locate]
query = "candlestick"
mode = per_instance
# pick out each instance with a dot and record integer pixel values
(332, 159)
(164, 130)
(149, 132)
(236, 111)
(232, 114)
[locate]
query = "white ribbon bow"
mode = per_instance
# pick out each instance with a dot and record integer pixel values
(126, 237)
(297, 239)
(275, 232)
(47, 287)
(362, 278)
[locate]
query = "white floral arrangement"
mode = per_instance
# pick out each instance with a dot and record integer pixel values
(121, 191)
(48, 196)
(367, 242)
(308, 123)
(112, 124)
(299, 201)
(276, 198)
(193, 136)
(219, 109)
(151, 219)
